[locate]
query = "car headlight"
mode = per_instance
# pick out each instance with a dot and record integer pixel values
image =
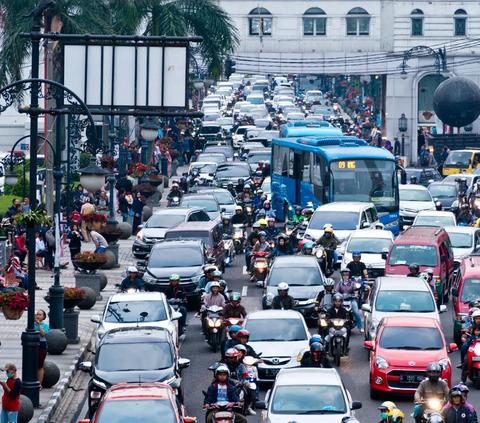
(381, 363)
(99, 383)
(195, 279)
(445, 363)
(270, 297)
(307, 302)
(149, 279)
(392, 224)
(455, 204)
(140, 237)
(460, 317)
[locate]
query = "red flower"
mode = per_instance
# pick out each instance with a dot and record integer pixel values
(14, 300)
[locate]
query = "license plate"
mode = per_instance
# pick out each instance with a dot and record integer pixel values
(411, 378)
(301, 310)
(271, 372)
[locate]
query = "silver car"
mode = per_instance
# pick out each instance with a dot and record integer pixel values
(308, 395)
(280, 336)
(137, 309)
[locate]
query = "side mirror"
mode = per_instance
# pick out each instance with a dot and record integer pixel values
(142, 263)
(140, 227)
(384, 256)
(85, 366)
(223, 210)
(183, 363)
(443, 309)
(366, 307)
(96, 319)
(261, 405)
(356, 405)
(176, 315)
(368, 345)
(443, 258)
(453, 347)
(365, 225)
(454, 292)
(211, 174)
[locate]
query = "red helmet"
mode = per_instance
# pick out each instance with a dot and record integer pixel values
(271, 220)
(243, 332)
(231, 353)
(260, 163)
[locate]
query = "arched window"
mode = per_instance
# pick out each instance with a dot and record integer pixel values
(260, 21)
(358, 22)
(417, 22)
(460, 23)
(314, 22)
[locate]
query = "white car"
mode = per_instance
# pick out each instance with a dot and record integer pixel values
(465, 240)
(137, 309)
(204, 169)
(371, 245)
(399, 296)
(308, 395)
(295, 117)
(237, 135)
(435, 218)
(414, 198)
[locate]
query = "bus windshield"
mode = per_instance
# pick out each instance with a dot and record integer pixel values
(365, 180)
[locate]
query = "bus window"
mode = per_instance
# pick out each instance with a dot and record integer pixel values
(306, 167)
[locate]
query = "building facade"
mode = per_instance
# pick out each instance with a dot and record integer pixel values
(370, 38)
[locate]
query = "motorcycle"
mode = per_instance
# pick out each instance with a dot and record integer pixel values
(250, 364)
(294, 231)
(214, 327)
(476, 206)
(338, 339)
(229, 249)
(257, 180)
(175, 202)
(321, 254)
(260, 267)
(363, 289)
(473, 364)
(248, 210)
(432, 412)
(232, 321)
(176, 303)
(238, 238)
(224, 413)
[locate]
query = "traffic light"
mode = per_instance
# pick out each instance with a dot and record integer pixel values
(230, 67)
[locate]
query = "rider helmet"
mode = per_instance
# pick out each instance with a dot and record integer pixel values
(222, 369)
(434, 370)
(307, 246)
(454, 392)
(261, 216)
(315, 338)
(413, 266)
(337, 297)
(241, 347)
(271, 220)
(357, 254)
(465, 207)
(389, 405)
(345, 270)
(329, 231)
(476, 313)
(262, 234)
(222, 283)
(259, 191)
(308, 213)
(262, 222)
(242, 333)
(263, 198)
(282, 286)
(327, 225)
(329, 282)
(211, 260)
(298, 208)
(462, 387)
(238, 208)
(266, 203)
(256, 225)
(231, 356)
(132, 269)
(316, 349)
(217, 274)
(282, 236)
(241, 180)
(428, 271)
(230, 184)
(234, 328)
(463, 180)
(474, 303)
(413, 178)
(235, 299)
(397, 416)
(247, 187)
(226, 216)
(174, 278)
(214, 284)
(377, 225)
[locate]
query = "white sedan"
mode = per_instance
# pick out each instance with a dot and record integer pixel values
(435, 218)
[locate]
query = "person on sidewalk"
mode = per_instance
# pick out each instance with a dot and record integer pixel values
(123, 205)
(75, 241)
(86, 209)
(40, 250)
(99, 241)
(137, 208)
(11, 394)
(43, 328)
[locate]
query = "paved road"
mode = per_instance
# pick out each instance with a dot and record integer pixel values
(354, 369)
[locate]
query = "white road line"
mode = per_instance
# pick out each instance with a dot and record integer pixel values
(245, 270)
(244, 291)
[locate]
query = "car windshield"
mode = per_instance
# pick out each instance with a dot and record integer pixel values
(308, 399)
(256, 100)
(209, 205)
(404, 255)
(436, 221)
(410, 338)
(276, 330)
(203, 167)
(210, 158)
(415, 195)
(178, 256)
(405, 301)
(459, 159)
(460, 240)
(214, 129)
(146, 410)
(443, 191)
(214, 149)
(224, 198)
(302, 276)
(255, 158)
(118, 357)
(225, 121)
(233, 171)
(341, 221)
(470, 290)
(135, 311)
(369, 245)
(164, 220)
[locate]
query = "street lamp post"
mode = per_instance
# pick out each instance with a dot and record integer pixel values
(402, 127)
(149, 133)
(111, 179)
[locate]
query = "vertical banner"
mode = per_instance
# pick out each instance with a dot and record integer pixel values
(57, 241)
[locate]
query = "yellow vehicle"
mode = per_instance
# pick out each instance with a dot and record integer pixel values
(461, 161)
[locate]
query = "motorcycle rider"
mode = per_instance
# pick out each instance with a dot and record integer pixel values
(282, 247)
(413, 180)
(183, 184)
(262, 222)
(230, 343)
(250, 243)
(462, 187)
(464, 390)
(428, 275)
(283, 301)
(377, 225)
(324, 297)
(212, 299)
(246, 194)
(191, 178)
(457, 412)
(260, 246)
(298, 217)
(267, 209)
(271, 230)
(226, 227)
(234, 308)
(207, 276)
(317, 357)
(243, 336)
(465, 216)
(329, 241)
(432, 387)
(307, 250)
(308, 213)
(414, 270)
(239, 217)
(467, 331)
(257, 201)
(175, 192)
(357, 268)
(307, 354)
(337, 311)
(471, 339)
(221, 391)
(223, 289)
(174, 291)
(240, 185)
(348, 287)
(216, 277)
(231, 190)
(132, 281)
(266, 169)
(259, 166)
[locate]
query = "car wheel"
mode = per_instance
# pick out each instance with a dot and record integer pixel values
(457, 338)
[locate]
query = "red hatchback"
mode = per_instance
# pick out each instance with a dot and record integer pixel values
(400, 351)
(145, 402)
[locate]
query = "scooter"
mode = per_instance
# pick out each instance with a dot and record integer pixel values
(338, 339)
(224, 413)
(260, 267)
(214, 327)
(232, 321)
(248, 210)
(472, 365)
(238, 238)
(250, 364)
(229, 249)
(432, 412)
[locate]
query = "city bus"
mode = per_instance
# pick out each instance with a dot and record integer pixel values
(296, 130)
(312, 171)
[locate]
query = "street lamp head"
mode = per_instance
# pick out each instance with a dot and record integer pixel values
(198, 84)
(209, 80)
(149, 131)
(403, 74)
(11, 178)
(445, 73)
(402, 123)
(92, 177)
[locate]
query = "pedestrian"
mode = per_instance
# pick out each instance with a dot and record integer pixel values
(40, 250)
(123, 205)
(102, 203)
(43, 329)
(86, 209)
(137, 208)
(396, 146)
(26, 205)
(75, 238)
(430, 158)
(100, 242)
(12, 389)
(186, 148)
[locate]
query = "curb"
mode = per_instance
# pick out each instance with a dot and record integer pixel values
(63, 385)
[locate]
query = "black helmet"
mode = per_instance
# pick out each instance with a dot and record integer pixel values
(337, 297)
(434, 370)
(454, 392)
(298, 208)
(413, 177)
(241, 180)
(262, 234)
(316, 347)
(465, 207)
(414, 266)
(283, 236)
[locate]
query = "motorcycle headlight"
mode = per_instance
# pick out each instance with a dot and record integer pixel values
(140, 237)
(210, 323)
(319, 253)
(99, 383)
(381, 363)
(218, 323)
(445, 362)
(249, 209)
(338, 323)
(175, 199)
(434, 404)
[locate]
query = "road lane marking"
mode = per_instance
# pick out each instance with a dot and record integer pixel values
(245, 270)
(244, 291)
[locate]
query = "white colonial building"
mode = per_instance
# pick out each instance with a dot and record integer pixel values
(365, 38)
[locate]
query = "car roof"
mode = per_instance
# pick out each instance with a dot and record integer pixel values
(274, 314)
(203, 163)
(362, 233)
(192, 226)
(412, 187)
(470, 266)
(419, 322)
(259, 151)
(200, 196)
(210, 124)
(461, 229)
(348, 207)
(314, 376)
(443, 183)
(419, 233)
(138, 391)
(177, 210)
(298, 261)
(401, 283)
(132, 335)
(435, 213)
(238, 164)
(137, 296)
(178, 243)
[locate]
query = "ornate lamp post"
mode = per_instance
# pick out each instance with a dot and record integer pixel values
(92, 177)
(402, 127)
(149, 133)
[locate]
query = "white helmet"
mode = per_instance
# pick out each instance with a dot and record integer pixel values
(238, 208)
(132, 269)
(327, 226)
(377, 224)
(222, 369)
(428, 271)
(476, 313)
(215, 283)
(217, 273)
(283, 286)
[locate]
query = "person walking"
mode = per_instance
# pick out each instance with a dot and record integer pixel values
(75, 238)
(137, 208)
(12, 389)
(86, 209)
(123, 205)
(43, 329)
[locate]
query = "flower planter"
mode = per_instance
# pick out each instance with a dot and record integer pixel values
(68, 303)
(94, 226)
(146, 194)
(111, 238)
(89, 266)
(138, 174)
(11, 314)
(155, 183)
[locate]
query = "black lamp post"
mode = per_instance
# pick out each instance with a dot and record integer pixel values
(402, 127)
(149, 133)
(111, 179)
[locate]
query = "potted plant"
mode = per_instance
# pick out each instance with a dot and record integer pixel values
(154, 180)
(71, 298)
(145, 189)
(37, 216)
(13, 304)
(89, 261)
(111, 233)
(138, 169)
(94, 220)
(107, 162)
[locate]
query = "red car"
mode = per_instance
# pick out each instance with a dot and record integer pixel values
(146, 402)
(400, 352)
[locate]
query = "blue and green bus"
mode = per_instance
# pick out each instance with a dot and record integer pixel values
(312, 171)
(296, 130)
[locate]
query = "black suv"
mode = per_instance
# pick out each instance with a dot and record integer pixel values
(133, 355)
(425, 175)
